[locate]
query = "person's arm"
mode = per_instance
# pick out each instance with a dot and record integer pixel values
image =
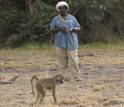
(55, 30)
(77, 26)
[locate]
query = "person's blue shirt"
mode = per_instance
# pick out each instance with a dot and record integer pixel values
(67, 39)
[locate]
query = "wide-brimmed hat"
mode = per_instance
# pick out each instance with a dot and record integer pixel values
(62, 3)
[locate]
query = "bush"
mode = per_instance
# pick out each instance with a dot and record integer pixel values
(18, 25)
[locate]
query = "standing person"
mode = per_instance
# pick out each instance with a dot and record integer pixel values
(65, 27)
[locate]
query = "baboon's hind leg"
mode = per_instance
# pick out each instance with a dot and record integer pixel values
(41, 100)
(37, 98)
(42, 95)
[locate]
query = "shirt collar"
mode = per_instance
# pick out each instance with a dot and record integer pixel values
(65, 17)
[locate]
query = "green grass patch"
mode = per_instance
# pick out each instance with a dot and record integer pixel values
(29, 47)
(103, 46)
(36, 47)
(47, 63)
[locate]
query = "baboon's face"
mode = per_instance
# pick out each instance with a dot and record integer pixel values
(62, 81)
(60, 78)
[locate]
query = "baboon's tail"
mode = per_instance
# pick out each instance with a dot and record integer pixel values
(32, 83)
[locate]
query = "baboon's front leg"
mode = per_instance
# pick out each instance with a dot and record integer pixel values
(54, 95)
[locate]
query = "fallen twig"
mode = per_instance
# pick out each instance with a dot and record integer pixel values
(9, 81)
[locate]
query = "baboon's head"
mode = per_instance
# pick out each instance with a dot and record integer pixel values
(60, 78)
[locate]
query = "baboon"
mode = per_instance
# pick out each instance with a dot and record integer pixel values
(42, 85)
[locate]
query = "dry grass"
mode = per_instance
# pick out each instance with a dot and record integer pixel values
(102, 74)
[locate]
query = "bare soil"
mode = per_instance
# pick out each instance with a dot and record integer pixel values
(102, 79)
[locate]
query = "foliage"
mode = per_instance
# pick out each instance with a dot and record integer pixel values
(18, 25)
(104, 24)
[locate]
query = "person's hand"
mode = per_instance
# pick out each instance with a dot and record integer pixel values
(63, 28)
(75, 29)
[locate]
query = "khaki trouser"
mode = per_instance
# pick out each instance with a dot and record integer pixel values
(68, 58)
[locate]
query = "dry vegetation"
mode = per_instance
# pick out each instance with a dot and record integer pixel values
(102, 74)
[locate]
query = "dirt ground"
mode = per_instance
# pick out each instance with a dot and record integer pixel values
(102, 79)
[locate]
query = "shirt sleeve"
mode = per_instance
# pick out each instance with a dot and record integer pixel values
(76, 23)
(53, 24)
